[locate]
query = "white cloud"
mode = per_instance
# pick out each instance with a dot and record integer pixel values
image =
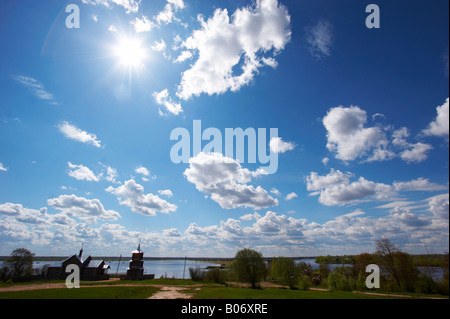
(82, 173)
(159, 46)
(440, 126)
(168, 15)
(112, 28)
(111, 175)
(131, 6)
(226, 182)
(336, 189)
(3, 168)
(277, 145)
(142, 170)
(420, 184)
(185, 55)
(179, 4)
(22, 214)
(439, 206)
(417, 154)
(319, 38)
(74, 133)
(36, 87)
(347, 135)
(291, 196)
(142, 25)
(276, 192)
(350, 138)
(166, 192)
(249, 217)
(132, 195)
(408, 218)
(250, 35)
(86, 209)
(163, 98)
(411, 153)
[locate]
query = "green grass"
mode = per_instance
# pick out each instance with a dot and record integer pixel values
(275, 293)
(83, 293)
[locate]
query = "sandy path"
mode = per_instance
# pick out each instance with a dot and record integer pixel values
(173, 293)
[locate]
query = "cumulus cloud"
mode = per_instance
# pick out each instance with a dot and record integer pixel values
(319, 38)
(245, 40)
(142, 170)
(336, 188)
(82, 173)
(142, 25)
(409, 218)
(163, 98)
(291, 196)
(349, 138)
(439, 206)
(72, 132)
(440, 126)
(166, 192)
(226, 182)
(132, 195)
(347, 135)
(86, 209)
(22, 214)
(277, 145)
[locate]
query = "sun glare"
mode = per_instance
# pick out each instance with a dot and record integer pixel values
(130, 53)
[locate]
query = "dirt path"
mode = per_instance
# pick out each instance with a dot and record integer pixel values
(173, 293)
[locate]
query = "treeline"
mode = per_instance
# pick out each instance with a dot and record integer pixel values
(337, 260)
(429, 260)
(398, 272)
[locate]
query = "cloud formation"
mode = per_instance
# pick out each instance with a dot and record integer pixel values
(226, 182)
(319, 38)
(37, 88)
(440, 126)
(74, 133)
(247, 40)
(132, 195)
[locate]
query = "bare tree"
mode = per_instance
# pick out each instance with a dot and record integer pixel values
(386, 252)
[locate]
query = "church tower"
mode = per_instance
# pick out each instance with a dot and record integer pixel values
(136, 268)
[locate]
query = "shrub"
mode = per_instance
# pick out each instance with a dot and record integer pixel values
(216, 275)
(197, 274)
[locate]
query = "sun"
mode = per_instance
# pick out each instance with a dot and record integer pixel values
(130, 52)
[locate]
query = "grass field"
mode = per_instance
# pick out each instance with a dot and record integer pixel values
(145, 289)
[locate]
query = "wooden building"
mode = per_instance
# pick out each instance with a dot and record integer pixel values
(136, 269)
(90, 269)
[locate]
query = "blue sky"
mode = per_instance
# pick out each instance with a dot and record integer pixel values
(86, 116)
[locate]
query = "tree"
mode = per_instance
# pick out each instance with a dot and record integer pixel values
(286, 272)
(249, 266)
(20, 263)
(399, 264)
(386, 255)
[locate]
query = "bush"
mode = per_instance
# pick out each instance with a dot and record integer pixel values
(197, 274)
(216, 275)
(304, 283)
(338, 281)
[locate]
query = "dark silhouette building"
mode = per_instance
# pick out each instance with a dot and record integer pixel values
(90, 269)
